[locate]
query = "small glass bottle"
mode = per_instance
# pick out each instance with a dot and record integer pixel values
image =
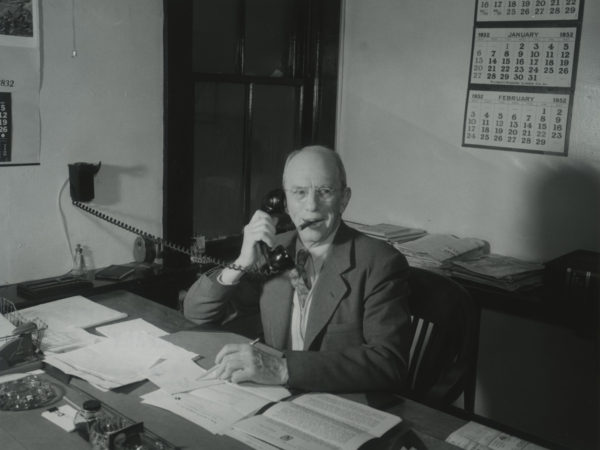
(78, 261)
(86, 416)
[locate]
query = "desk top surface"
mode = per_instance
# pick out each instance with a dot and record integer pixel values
(28, 430)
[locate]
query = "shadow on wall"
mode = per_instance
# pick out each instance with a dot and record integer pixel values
(567, 211)
(107, 182)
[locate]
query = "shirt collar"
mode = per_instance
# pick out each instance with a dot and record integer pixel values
(318, 252)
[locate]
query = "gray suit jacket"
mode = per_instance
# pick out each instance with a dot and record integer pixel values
(357, 337)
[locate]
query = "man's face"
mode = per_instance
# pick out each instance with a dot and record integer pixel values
(314, 192)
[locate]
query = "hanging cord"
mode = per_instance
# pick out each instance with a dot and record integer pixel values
(64, 218)
(65, 226)
(74, 51)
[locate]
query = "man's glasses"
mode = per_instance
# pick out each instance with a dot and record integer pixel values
(324, 193)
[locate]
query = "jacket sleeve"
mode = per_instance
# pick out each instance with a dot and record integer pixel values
(209, 301)
(373, 356)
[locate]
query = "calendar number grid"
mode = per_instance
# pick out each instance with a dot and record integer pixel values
(527, 10)
(522, 75)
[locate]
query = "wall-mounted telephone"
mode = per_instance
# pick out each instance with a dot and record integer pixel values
(276, 260)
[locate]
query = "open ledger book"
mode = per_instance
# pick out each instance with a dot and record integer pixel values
(316, 421)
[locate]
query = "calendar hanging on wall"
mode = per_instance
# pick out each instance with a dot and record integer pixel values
(522, 75)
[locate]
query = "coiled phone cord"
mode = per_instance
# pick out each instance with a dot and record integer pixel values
(201, 259)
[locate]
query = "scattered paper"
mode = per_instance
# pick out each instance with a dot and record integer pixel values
(118, 361)
(63, 416)
(67, 339)
(136, 325)
(74, 311)
(209, 415)
(179, 375)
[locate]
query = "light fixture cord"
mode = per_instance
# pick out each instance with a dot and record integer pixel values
(74, 51)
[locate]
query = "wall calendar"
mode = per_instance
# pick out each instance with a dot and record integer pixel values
(522, 75)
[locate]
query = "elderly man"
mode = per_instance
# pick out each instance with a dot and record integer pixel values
(340, 320)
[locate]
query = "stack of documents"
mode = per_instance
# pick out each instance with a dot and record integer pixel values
(66, 319)
(435, 251)
(389, 232)
(124, 358)
(503, 272)
(74, 311)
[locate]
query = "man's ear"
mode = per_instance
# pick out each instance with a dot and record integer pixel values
(345, 198)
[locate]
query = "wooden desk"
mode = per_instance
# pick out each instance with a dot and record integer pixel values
(29, 431)
(150, 281)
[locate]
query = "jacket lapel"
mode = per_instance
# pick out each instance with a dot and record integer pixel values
(331, 285)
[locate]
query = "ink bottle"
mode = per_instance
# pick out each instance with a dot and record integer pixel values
(86, 416)
(78, 261)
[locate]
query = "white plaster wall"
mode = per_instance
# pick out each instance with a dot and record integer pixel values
(404, 77)
(105, 104)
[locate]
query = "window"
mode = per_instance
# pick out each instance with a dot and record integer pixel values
(246, 82)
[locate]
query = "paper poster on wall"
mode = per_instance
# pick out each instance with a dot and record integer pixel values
(19, 82)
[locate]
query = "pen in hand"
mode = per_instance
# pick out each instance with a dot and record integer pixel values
(218, 366)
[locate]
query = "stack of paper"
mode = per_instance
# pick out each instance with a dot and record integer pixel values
(435, 251)
(66, 319)
(118, 361)
(74, 311)
(389, 232)
(504, 272)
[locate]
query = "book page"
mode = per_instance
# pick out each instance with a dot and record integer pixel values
(323, 427)
(355, 414)
(244, 401)
(278, 434)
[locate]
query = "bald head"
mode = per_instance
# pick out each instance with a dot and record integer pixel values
(328, 158)
(314, 181)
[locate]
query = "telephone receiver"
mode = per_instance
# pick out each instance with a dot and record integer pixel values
(276, 259)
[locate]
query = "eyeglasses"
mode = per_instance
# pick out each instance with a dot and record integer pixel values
(324, 193)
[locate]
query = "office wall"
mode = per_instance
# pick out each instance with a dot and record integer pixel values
(405, 69)
(403, 84)
(105, 104)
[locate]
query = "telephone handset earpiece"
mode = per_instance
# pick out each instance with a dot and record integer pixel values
(276, 259)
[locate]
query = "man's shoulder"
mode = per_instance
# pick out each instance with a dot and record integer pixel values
(366, 246)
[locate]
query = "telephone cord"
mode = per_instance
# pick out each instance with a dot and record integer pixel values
(201, 259)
